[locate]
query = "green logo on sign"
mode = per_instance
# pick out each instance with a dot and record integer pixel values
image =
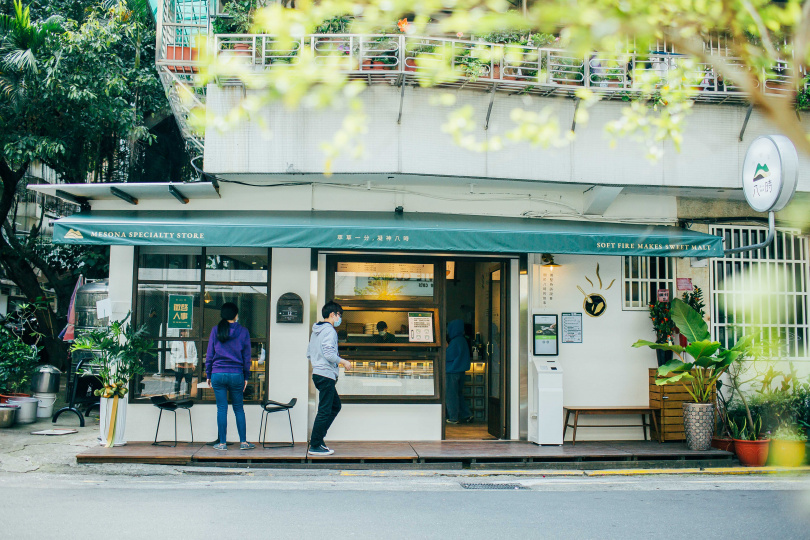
(761, 172)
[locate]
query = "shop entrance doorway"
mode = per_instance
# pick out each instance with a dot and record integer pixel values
(476, 293)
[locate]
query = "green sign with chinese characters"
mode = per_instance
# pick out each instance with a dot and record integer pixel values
(181, 308)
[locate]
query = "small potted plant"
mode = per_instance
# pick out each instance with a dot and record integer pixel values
(750, 445)
(788, 445)
(237, 18)
(664, 326)
(119, 352)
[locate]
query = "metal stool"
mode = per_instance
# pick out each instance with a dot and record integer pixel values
(268, 407)
(165, 404)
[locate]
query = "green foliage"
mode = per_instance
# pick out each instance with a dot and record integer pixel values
(694, 300)
(93, 262)
(661, 318)
(119, 351)
(747, 431)
(789, 432)
(17, 363)
(240, 19)
(335, 25)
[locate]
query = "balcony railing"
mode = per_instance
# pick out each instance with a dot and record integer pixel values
(514, 68)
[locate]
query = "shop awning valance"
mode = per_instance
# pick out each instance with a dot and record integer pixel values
(382, 231)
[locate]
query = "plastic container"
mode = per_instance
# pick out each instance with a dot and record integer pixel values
(28, 409)
(45, 405)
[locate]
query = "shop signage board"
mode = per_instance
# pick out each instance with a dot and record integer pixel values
(181, 308)
(770, 173)
(685, 284)
(572, 327)
(545, 335)
(420, 327)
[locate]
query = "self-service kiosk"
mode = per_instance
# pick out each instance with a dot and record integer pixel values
(546, 411)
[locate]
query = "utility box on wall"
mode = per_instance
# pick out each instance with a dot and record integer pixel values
(290, 309)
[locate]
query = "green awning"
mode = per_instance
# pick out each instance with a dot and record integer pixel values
(382, 231)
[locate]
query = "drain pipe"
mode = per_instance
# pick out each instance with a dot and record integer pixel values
(766, 243)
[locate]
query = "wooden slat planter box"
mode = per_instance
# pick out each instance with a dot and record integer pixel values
(668, 400)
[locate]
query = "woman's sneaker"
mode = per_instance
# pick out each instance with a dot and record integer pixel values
(247, 446)
(321, 450)
(220, 446)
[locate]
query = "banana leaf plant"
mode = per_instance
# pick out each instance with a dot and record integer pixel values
(709, 360)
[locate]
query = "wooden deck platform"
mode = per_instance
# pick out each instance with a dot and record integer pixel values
(459, 453)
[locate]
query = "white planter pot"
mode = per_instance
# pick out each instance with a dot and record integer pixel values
(105, 421)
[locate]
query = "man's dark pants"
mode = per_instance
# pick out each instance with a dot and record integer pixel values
(328, 408)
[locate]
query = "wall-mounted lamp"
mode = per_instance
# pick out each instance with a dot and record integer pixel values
(548, 260)
(207, 297)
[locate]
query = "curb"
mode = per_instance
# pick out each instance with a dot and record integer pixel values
(716, 471)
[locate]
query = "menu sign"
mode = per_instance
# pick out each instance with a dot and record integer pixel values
(572, 327)
(420, 327)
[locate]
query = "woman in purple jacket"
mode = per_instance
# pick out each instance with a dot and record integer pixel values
(227, 365)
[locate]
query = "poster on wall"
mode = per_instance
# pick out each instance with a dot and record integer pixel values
(663, 295)
(545, 335)
(420, 327)
(572, 327)
(180, 310)
(685, 284)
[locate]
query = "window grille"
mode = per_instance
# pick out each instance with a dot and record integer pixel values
(643, 276)
(763, 291)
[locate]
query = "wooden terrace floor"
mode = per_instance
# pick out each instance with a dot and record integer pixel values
(447, 453)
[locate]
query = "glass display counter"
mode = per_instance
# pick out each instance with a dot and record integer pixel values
(388, 374)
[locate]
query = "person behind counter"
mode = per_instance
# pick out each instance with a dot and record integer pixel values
(322, 353)
(457, 362)
(183, 360)
(227, 364)
(383, 335)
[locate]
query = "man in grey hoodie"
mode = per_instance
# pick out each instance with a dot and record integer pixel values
(323, 355)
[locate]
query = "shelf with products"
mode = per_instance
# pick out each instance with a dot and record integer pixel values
(475, 390)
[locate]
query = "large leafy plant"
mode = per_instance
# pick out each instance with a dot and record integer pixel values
(119, 352)
(17, 362)
(709, 360)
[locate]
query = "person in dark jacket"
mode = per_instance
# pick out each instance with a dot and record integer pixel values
(227, 366)
(457, 362)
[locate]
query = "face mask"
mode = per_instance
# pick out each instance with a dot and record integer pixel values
(383, 332)
(338, 321)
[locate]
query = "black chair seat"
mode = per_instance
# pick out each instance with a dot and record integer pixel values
(165, 404)
(269, 406)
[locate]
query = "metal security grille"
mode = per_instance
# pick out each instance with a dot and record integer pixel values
(643, 276)
(763, 291)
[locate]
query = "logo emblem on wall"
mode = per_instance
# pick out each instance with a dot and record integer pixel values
(594, 304)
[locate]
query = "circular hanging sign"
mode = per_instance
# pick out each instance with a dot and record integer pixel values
(770, 173)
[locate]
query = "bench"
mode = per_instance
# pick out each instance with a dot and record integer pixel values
(643, 411)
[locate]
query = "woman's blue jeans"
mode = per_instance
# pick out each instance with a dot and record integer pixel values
(235, 384)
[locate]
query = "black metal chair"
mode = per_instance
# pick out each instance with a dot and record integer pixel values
(80, 387)
(269, 407)
(165, 404)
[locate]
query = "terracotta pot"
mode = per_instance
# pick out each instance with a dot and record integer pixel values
(787, 453)
(241, 49)
(752, 453)
(496, 72)
(188, 54)
(723, 444)
(698, 425)
(5, 397)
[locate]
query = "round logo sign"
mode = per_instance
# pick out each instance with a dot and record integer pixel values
(594, 304)
(770, 173)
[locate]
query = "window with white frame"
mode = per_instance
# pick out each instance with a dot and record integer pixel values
(643, 277)
(763, 291)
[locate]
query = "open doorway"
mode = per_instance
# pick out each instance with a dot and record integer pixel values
(475, 293)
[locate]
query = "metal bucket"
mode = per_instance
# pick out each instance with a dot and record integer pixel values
(86, 310)
(28, 409)
(8, 415)
(46, 380)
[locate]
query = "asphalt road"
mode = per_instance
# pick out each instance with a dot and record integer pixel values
(205, 504)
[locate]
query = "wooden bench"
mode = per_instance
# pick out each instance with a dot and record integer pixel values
(643, 411)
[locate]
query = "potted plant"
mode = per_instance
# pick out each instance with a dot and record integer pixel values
(722, 439)
(18, 361)
(664, 326)
(788, 446)
(750, 445)
(119, 352)
(237, 18)
(413, 53)
(699, 376)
